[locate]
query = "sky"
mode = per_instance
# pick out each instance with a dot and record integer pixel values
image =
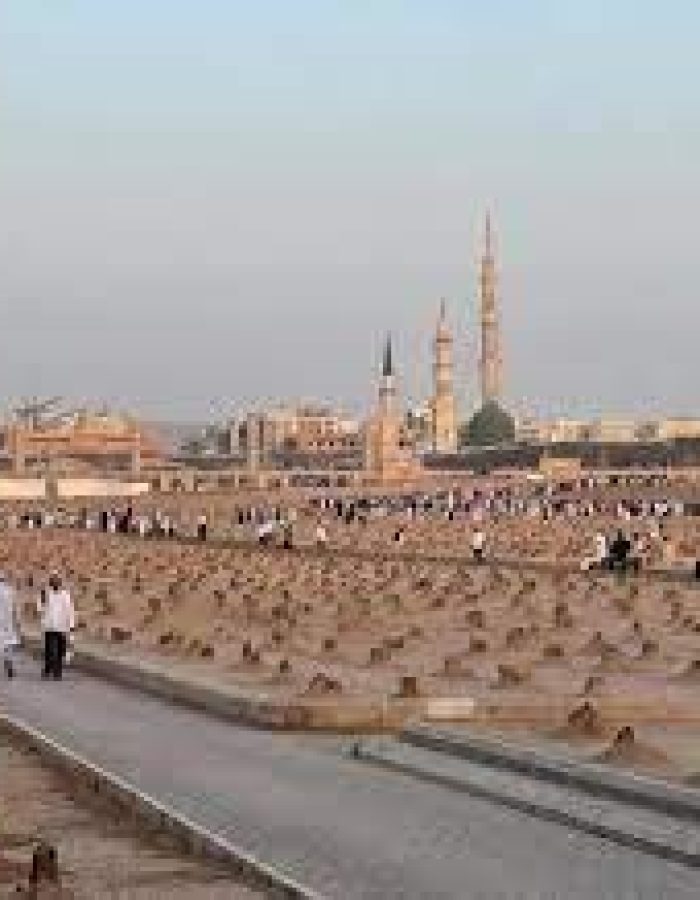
(206, 204)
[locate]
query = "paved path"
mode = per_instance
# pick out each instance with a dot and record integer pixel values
(342, 828)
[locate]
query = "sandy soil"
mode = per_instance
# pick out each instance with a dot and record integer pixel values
(98, 856)
(609, 664)
(564, 539)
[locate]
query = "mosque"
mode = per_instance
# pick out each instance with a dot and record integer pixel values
(390, 444)
(390, 447)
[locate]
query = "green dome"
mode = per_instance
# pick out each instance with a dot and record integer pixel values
(489, 426)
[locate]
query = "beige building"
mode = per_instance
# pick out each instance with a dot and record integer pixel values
(562, 467)
(605, 431)
(312, 429)
(549, 431)
(531, 431)
(678, 428)
(308, 431)
(87, 441)
(610, 431)
(563, 430)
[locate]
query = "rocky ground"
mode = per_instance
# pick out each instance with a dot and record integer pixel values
(98, 856)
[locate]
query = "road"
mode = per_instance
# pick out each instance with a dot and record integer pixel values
(342, 828)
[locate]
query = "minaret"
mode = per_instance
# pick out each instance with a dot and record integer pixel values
(382, 442)
(491, 360)
(444, 430)
(387, 458)
(387, 385)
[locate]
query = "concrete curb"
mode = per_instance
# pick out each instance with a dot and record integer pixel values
(597, 828)
(591, 778)
(230, 706)
(197, 840)
(257, 710)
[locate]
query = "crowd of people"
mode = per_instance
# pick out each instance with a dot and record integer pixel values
(545, 502)
(112, 520)
(639, 537)
(644, 497)
(641, 518)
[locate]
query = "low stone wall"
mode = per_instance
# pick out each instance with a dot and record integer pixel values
(100, 487)
(22, 488)
(338, 715)
(67, 488)
(679, 455)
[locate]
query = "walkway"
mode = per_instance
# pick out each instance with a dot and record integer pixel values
(342, 828)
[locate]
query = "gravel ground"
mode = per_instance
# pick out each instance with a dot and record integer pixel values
(98, 855)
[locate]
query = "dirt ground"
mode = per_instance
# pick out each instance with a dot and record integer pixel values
(98, 856)
(517, 536)
(608, 664)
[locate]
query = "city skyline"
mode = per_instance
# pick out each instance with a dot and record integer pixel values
(196, 201)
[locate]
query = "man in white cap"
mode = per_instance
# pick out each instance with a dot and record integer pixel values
(9, 633)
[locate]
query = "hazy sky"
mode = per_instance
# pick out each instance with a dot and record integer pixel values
(205, 202)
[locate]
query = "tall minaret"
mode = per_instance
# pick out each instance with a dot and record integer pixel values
(387, 385)
(444, 428)
(491, 362)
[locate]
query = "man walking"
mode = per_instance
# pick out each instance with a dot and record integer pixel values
(601, 549)
(9, 636)
(478, 545)
(321, 536)
(58, 622)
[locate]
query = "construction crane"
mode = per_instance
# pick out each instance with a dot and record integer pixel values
(33, 412)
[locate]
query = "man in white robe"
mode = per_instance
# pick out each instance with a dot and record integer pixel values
(9, 632)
